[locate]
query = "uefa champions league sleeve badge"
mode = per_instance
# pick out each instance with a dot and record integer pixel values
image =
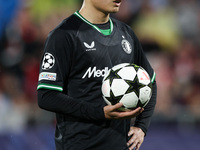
(48, 61)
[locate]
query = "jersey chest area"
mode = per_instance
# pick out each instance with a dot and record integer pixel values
(97, 49)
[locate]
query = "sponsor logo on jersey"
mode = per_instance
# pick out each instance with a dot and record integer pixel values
(94, 72)
(126, 46)
(90, 47)
(47, 76)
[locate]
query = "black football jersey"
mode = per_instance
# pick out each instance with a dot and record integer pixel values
(77, 56)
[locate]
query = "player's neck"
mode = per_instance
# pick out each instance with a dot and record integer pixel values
(94, 16)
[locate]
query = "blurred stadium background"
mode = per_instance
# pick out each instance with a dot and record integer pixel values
(169, 31)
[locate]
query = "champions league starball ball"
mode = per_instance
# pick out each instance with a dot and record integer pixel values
(129, 84)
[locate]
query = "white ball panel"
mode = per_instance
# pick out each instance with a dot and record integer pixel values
(146, 103)
(119, 87)
(119, 66)
(145, 94)
(106, 88)
(127, 73)
(143, 77)
(129, 100)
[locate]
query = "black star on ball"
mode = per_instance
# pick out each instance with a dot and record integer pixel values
(134, 86)
(113, 75)
(113, 99)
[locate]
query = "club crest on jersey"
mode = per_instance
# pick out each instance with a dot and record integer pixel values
(90, 47)
(126, 46)
(48, 61)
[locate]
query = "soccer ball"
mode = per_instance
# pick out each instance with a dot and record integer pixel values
(48, 61)
(129, 84)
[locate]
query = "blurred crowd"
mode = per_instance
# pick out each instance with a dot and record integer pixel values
(168, 30)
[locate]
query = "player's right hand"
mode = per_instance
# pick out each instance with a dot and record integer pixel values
(112, 112)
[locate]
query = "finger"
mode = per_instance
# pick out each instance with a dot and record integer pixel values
(138, 146)
(133, 146)
(129, 114)
(141, 110)
(117, 106)
(131, 141)
(130, 132)
(136, 111)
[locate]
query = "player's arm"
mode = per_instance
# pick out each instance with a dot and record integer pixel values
(143, 120)
(58, 102)
(137, 132)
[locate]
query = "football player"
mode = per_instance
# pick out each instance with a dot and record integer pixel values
(77, 55)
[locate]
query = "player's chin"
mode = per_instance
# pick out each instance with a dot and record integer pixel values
(111, 9)
(114, 10)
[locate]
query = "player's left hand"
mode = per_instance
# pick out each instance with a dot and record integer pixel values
(136, 138)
